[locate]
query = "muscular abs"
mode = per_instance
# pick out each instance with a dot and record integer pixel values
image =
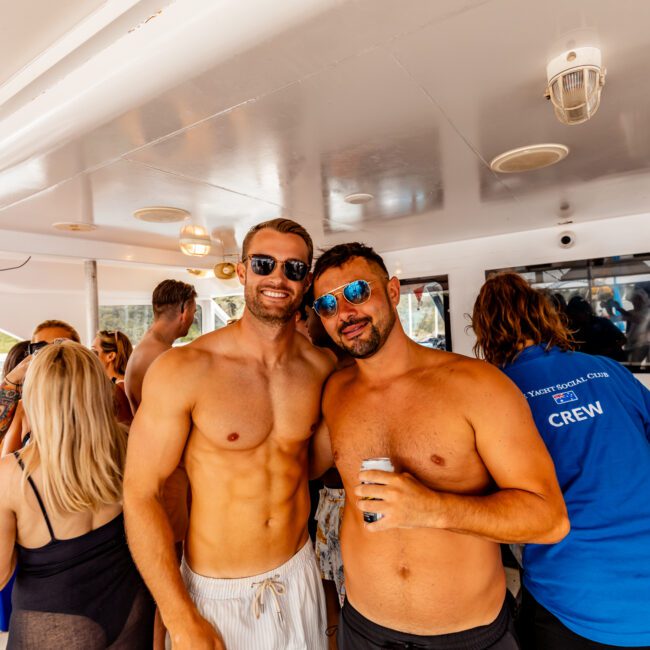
(418, 580)
(246, 459)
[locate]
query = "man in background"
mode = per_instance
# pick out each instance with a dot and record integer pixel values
(174, 306)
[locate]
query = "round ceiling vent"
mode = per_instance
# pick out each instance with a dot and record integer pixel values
(161, 214)
(74, 226)
(525, 159)
(358, 198)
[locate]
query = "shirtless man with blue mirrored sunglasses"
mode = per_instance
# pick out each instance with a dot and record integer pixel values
(470, 471)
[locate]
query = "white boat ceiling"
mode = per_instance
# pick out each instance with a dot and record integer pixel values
(238, 111)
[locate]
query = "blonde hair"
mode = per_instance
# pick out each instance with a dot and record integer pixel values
(76, 440)
(119, 343)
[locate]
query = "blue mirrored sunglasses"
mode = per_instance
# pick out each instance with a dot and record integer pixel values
(356, 293)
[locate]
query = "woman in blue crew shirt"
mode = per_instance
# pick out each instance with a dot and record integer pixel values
(592, 590)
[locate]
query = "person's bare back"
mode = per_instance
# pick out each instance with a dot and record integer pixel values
(144, 354)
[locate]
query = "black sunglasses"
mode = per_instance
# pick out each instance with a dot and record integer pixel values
(294, 270)
(356, 293)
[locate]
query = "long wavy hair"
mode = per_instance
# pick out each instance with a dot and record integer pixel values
(76, 440)
(508, 314)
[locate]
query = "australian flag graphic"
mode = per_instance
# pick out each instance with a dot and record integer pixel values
(566, 396)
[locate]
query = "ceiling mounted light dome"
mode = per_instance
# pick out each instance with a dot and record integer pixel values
(194, 240)
(575, 81)
(525, 159)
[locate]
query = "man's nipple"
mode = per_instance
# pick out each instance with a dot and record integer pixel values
(233, 436)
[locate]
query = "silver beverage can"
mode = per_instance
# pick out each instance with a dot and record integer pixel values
(384, 465)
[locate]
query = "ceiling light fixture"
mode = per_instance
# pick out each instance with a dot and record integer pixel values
(575, 81)
(525, 159)
(161, 214)
(358, 198)
(225, 270)
(74, 226)
(201, 273)
(194, 240)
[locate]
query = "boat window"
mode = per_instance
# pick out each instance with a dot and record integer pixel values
(424, 311)
(606, 301)
(134, 320)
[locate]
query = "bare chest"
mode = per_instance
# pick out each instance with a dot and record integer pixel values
(242, 407)
(423, 433)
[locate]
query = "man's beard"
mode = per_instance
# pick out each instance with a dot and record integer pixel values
(363, 347)
(279, 315)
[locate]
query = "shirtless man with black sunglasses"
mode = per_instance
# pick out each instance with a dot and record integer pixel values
(470, 471)
(239, 407)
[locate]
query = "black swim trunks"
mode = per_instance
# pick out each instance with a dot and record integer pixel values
(358, 633)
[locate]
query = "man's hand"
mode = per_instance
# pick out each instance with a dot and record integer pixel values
(197, 634)
(405, 502)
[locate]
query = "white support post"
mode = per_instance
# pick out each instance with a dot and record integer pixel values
(92, 300)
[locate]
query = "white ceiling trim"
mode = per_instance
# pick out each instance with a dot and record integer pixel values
(73, 39)
(78, 248)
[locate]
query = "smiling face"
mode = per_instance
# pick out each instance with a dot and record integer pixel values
(361, 330)
(273, 298)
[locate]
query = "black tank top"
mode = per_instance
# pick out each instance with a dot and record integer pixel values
(88, 585)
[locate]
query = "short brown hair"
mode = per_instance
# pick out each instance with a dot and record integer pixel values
(509, 312)
(60, 324)
(340, 254)
(171, 295)
(285, 226)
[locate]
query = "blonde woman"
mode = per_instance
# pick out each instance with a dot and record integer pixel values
(61, 515)
(113, 350)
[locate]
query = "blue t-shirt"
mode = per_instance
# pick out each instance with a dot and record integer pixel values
(594, 417)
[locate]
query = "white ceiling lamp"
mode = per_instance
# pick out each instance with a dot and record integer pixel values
(194, 240)
(575, 81)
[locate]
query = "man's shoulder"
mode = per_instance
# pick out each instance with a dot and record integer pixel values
(318, 360)
(340, 379)
(147, 350)
(456, 366)
(463, 375)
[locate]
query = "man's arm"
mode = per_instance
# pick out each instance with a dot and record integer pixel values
(10, 394)
(13, 440)
(156, 442)
(320, 453)
(527, 507)
(7, 523)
